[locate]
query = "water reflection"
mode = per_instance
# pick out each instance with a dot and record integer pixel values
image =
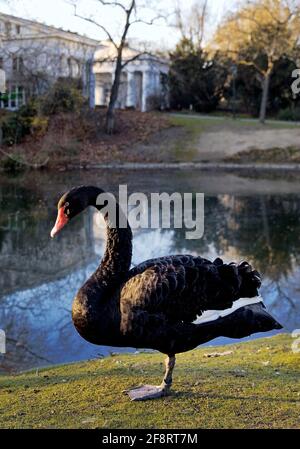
(40, 276)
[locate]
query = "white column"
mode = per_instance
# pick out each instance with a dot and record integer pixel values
(64, 68)
(130, 101)
(92, 89)
(145, 90)
(99, 91)
(98, 95)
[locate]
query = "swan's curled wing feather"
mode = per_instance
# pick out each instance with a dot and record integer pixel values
(180, 288)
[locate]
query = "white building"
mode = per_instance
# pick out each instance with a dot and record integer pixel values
(34, 55)
(143, 80)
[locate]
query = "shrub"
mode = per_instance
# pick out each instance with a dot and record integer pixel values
(14, 129)
(39, 126)
(12, 164)
(154, 102)
(290, 114)
(64, 96)
(24, 122)
(18, 125)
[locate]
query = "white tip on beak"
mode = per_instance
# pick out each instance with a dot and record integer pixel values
(61, 221)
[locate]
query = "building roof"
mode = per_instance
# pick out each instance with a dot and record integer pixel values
(108, 53)
(52, 31)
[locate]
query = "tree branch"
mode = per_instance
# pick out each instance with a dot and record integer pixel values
(148, 22)
(120, 5)
(136, 57)
(94, 22)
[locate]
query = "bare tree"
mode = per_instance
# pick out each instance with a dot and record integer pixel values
(192, 26)
(132, 13)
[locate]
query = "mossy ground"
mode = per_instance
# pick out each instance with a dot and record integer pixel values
(256, 386)
(288, 155)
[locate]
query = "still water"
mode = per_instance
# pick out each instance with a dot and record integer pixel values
(251, 218)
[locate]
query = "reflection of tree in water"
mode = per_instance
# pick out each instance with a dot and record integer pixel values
(264, 230)
(16, 209)
(29, 258)
(38, 324)
(27, 254)
(20, 353)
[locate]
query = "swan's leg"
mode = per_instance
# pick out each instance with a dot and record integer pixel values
(146, 392)
(170, 364)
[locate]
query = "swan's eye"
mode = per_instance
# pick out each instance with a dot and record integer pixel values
(67, 210)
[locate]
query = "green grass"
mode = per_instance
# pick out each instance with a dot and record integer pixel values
(240, 121)
(192, 122)
(185, 148)
(256, 386)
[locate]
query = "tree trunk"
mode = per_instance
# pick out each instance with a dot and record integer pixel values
(264, 99)
(110, 115)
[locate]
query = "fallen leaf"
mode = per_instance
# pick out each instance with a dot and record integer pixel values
(218, 354)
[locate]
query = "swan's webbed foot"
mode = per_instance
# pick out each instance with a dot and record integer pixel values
(146, 392)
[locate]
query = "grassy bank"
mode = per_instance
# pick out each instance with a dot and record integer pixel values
(79, 140)
(288, 155)
(254, 386)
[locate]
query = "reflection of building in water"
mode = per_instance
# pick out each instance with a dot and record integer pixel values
(28, 256)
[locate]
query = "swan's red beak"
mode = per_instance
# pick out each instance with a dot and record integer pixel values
(61, 221)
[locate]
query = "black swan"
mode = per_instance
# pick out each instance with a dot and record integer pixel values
(171, 304)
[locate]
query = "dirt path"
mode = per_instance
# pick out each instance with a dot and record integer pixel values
(203, 139)
(219, 143)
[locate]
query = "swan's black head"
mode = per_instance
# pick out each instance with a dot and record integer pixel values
(71, 204)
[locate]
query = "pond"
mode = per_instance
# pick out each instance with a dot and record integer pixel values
(246, 218)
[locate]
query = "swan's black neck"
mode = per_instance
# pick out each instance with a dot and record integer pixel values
(116, 261)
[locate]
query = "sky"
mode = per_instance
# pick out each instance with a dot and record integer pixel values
(61, 14)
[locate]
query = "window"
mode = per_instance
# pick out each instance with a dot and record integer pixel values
(70, 66)
(4, 100)
(15, 97)
(17, 64)
(7, 28)
(18, 29)
(12, 97)
(21, 64)
(20, 96)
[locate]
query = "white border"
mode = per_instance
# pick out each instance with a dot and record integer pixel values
(212, 315)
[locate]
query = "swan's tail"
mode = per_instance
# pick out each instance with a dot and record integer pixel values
(248, 320)
(247, 316)
(250, 280)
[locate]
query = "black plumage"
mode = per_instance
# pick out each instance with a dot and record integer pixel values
(155, 304)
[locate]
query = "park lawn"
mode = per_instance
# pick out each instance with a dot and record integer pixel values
(215, 119)
(186, 146)
(254, 386)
